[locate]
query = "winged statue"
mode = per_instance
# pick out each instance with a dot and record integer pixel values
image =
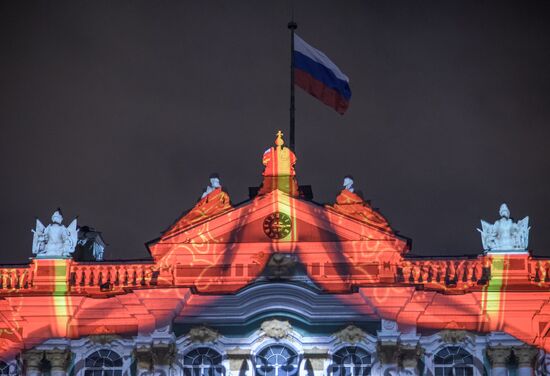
(55, 240)
(504, 234)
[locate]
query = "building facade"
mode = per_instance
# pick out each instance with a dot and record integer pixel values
(278, 285)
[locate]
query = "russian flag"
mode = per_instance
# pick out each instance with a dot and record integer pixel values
(319, 76)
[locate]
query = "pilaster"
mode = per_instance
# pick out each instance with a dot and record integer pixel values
(59, 359)
(526, 358)
(163, 355)
(238, 362)
(144, 359)
(31, 361)
(409, 358)
(318, 359)
(499, 357)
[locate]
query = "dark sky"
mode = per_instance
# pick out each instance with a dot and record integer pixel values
(118, 112)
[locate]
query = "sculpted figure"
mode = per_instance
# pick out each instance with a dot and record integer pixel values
(213, 201)
(214, 184)
(504, 234)
(350, 203)
(348, 183)
(56, 240)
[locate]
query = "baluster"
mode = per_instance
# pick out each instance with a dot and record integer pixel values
(91, 276)
(78, 276)
(438, 272)
(117, 276)
(23, 279)
(134, 276)
(8, 280)
(465, 267)
(109, 276)
(15, 273)
(83, 276)
(431, 271)
(126, 276)
(142, 282)
(30, 278)
(424, 272)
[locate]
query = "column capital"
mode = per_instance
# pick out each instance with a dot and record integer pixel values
(144, 357)
(163, 354)
(388, 352)
(525, 355)
(499, 355)
(58, 358)
(410, 355)
(32, 359)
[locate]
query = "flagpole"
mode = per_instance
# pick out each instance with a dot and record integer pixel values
(292, 26)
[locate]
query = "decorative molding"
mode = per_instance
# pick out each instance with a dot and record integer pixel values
(276, 329)
(58, 358)
(163, 353)
(525, 355)
(499, 355)
(103, 339)
(388, 353)
(350, 334)
(144, 358)
(455, 336)
(203, 334)
(32, 359)
(410, 356)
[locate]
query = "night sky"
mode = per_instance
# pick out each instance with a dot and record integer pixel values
(118, 112)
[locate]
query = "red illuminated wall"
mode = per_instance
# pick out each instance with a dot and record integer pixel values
(348, 249)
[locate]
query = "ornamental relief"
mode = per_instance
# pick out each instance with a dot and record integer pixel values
(350, 334)
(203, 334)
(276, 329)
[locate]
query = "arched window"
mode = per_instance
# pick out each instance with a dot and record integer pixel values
(4, 368)
(351, 361)
(453, 361)
(203, 361)
(277, 360)
(103, 363)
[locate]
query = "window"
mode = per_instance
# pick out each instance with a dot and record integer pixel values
(203, 361)
(277, 360)
(103, 363)
(453, 361)
(351, 361)
(4, 368)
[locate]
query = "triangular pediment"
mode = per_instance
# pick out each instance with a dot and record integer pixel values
(275, 218)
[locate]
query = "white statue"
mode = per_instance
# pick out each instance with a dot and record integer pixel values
(348, 183)
(504, 234)
(214, 183)
(56, 240)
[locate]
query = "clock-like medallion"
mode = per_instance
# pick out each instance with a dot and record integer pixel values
(277, 225)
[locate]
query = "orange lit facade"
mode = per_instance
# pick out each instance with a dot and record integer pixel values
(278, 285)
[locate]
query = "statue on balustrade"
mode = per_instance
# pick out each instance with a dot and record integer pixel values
(55, 240)
(504, 234)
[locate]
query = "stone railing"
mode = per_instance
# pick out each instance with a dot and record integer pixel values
(539, 271)
(17, 277)
(443, 273)
(103, 277)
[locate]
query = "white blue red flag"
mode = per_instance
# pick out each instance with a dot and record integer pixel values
(319, 76)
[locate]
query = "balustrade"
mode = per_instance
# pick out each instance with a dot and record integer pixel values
(111, 277)
(443, 273)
